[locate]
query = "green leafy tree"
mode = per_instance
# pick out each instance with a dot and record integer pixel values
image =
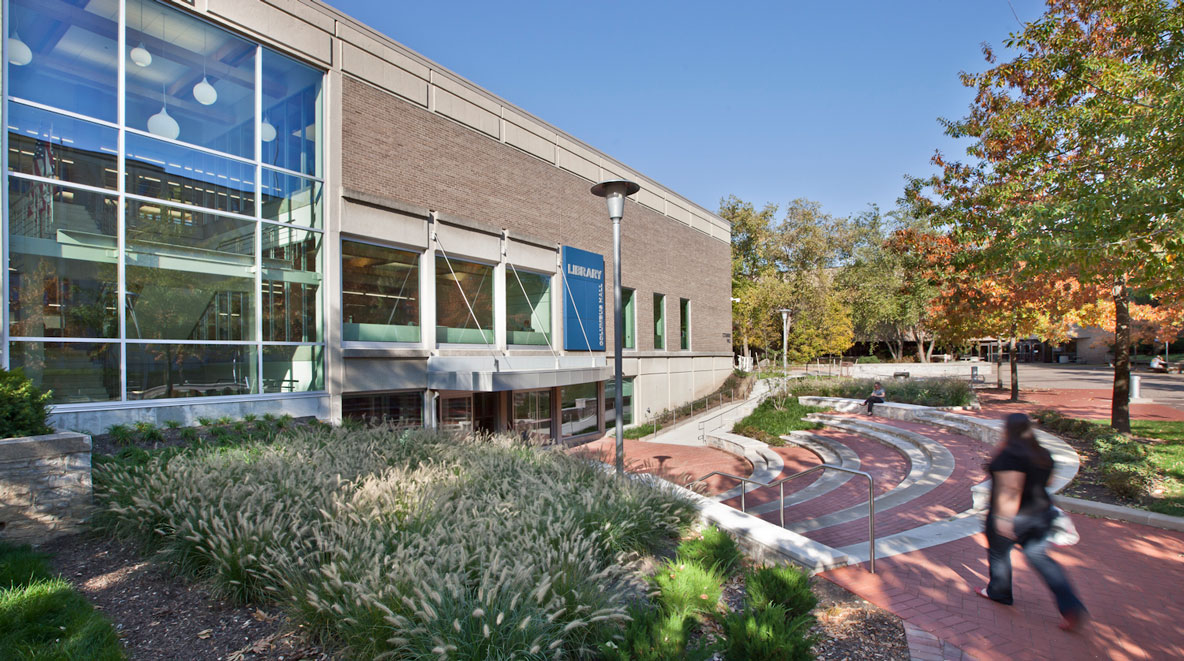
(1077, 160)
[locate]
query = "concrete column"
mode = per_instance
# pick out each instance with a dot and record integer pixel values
(427, 288)
(499, 296)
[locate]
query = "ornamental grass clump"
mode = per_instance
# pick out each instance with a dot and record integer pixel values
(403, 544)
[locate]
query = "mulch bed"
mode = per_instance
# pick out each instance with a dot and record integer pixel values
(160, 616)
(853, 629)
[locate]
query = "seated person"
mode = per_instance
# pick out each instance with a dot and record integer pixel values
(877, 397)
(1158, 364)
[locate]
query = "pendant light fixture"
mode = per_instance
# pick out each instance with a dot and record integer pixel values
(19, 52)
(162, 124)
(266, 131)
(204, 92)
(140, 54)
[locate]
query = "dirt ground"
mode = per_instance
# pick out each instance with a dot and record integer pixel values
(160, 616)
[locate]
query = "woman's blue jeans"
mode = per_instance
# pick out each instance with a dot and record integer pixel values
(1036, 551)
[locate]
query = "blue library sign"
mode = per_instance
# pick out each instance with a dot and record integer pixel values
(583, 300)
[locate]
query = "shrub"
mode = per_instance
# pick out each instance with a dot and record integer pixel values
(653, 634)
(149, 432)
(757, 634)
(22, 406)
(121, 435)
(172, 424)
(712, 548)
(863, 360)
(689, 587)
(927, 392)
(780, 586)
(1132, 481)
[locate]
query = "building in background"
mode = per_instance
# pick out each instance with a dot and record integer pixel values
(221, 207)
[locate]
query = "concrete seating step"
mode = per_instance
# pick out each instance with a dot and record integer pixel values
(829, 451)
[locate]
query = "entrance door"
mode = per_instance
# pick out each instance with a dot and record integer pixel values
(485, 411)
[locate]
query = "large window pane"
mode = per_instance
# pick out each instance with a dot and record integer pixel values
(190, 275)
(380, 293)
(291, 284)
(202, 79)
(292, 118)
(456, 414)
(47, 144)
(454, 321)
(659, 321)
(291, 199)
(581, 409)
(293, 368)
(62, 261)
(528, 307)
(401, 409)
(160, 371)
(63, 55)
(629, 303)
(610, 401)
(532, 414)
(171, 172)
(73, 371)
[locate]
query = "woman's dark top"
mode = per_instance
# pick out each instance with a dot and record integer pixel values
(1034, 500)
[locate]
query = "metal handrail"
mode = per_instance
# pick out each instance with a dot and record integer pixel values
(722, 412)
(780, 484)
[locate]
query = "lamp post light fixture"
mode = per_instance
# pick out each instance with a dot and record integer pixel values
(785, 312)
(614, 192)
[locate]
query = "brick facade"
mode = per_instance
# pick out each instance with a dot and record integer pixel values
(394, 149)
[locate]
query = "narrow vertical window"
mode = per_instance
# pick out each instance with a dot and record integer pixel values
(659, 322)
(628, 302)
(684, 324)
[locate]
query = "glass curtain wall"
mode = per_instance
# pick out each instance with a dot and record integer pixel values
(532, 414)
(528, 307)
(380, 293)
(163, 206)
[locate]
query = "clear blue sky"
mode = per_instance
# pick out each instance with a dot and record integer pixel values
(767, 100)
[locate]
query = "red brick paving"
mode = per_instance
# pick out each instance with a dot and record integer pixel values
(1131, 577)
(943, 501)
(1084, 403)
(676, 463)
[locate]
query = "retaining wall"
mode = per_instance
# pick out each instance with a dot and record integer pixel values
(45, 487)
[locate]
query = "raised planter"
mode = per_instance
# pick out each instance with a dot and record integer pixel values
(45, 487)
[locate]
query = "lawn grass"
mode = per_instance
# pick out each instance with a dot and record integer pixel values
(43, 618)
(775, 416)
(1167, 459)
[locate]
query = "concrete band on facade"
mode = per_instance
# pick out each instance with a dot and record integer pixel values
(417, 164)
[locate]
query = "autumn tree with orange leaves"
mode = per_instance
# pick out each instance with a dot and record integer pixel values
(1076, 169)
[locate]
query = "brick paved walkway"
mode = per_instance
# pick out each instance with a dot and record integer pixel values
(676, 463)
(1090, 404)
(1130, 576)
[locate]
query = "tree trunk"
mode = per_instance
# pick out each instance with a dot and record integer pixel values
(1015, 373)
(929, 351)
(920, 340)
(999, 363)
(1120, 404)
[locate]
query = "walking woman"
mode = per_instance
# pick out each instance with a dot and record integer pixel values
(1021, 513)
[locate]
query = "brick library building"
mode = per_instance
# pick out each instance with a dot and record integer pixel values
(229, 207)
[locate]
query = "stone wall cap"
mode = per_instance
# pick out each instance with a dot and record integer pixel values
(45, 445)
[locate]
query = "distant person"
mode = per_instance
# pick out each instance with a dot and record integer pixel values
(1021, 513)
(1158, 364)
(877, 397)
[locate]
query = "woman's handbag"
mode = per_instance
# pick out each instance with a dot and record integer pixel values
(1062, 532)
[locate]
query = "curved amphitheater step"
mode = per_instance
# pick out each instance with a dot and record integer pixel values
(944, 494)
(826, 449)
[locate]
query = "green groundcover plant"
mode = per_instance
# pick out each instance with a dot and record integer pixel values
(403, 544)
(927, 392)
(42, 617)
